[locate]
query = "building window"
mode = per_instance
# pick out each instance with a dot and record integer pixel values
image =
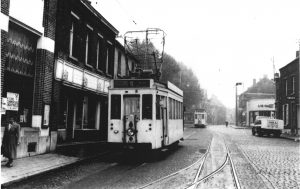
(119, 62)
(74, 45)
(147, 106)
(285, 112)
(286, 87)
(97, 54)
(88, 45)
(99, 59)
(86, 113)
(293, 84)
(109, 59)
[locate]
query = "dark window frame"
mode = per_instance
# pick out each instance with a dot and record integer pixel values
(146, 109)
(158, 108)
(115, 106)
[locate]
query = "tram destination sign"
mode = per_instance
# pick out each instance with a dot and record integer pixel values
(128, 83)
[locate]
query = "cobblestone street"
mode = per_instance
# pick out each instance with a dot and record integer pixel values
(275, 161)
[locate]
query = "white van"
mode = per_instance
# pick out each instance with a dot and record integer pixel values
(267, 125)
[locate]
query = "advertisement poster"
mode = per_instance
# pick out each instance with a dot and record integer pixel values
(12, 101)
(46, 115)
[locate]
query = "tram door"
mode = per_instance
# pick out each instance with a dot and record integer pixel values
(164, 112)
(131, 117)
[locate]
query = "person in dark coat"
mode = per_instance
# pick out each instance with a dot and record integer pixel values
(11, 138)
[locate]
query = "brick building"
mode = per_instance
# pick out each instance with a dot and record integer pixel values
(287, 96)
(125, 62)
(27, 59)
(257, 100)
(84, 66)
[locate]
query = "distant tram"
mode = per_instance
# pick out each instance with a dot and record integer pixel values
(200, 117)
(145, 114)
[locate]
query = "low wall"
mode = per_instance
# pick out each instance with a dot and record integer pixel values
(33, 143)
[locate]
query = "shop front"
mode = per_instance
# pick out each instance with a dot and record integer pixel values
(19, 89)
(81, 106)
(259, 107)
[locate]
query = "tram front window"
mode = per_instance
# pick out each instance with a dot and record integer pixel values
(115, 112)
(132, 105)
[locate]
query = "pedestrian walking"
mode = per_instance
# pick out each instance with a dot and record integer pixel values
(11, 138)
(226, 123)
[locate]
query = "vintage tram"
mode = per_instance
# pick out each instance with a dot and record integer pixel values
(144, 114)
(200, 117)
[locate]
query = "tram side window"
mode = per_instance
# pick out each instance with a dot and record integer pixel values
(147, 106)
(158, 109)
(180, 112)
(170, 108)
(115, 107)
(176, 109)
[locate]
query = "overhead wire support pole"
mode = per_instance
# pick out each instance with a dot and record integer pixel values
(236, 103)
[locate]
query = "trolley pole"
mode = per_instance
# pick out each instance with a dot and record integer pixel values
(236, 103)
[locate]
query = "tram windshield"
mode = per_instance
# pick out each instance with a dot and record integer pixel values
(132, 105)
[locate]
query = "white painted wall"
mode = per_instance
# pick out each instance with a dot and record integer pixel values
(30, 12)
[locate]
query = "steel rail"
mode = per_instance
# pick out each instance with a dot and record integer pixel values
(183, 169)
(228, 158)
(236, 180)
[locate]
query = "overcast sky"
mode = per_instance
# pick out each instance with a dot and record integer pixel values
(223, 41)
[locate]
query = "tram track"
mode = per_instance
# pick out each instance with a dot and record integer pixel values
(226, 163)
(200, 160)
(215, 162)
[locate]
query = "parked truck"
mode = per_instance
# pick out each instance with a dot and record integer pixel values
(267, 125)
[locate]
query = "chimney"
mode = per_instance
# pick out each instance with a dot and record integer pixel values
(297, 54)
(254, 82)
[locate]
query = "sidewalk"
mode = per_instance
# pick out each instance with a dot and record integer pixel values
(34, 165)
(291, 137)
(283, 135)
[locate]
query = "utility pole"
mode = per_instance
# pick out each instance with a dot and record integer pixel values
(236, 103)
(298, 116)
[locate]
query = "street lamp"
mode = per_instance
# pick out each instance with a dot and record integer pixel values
(236, 103)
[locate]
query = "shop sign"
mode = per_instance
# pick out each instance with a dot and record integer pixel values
(12, 101)
(265, 105)
(290, 97)
(80, 77)
(3, 105)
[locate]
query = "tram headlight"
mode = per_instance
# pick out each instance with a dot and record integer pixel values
(130, 132)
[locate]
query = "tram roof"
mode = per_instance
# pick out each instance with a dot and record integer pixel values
(143, 83)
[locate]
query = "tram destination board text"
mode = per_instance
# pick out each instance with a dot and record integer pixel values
(131, 83)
